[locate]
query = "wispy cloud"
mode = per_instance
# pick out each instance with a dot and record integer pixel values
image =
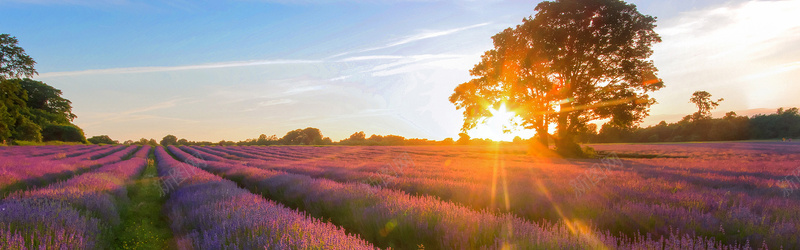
(413, 38)
(421, 62)
(369, 58)
(157, 106)
(742, 32)
(135, 114)
(274, 102)
(744, 51)
(133, 70)
(774, 71)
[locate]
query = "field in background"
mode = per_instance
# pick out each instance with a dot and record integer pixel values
(694, 195)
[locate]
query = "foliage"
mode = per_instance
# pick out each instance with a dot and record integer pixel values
(463, 138)
(704, 104)
(47, 102)
(357, 138)
(63, 132)
(14, 62)
(307, 136)
(574, 62)
(102, 139)
(785, 123)
(169, 140)
(28, 107)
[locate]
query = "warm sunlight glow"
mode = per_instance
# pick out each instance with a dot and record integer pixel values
(502, 120)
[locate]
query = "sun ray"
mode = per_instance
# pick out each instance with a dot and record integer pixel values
(501, 126)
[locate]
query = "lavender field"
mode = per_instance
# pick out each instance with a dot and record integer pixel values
(631, 196)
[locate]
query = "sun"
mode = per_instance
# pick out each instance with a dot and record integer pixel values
(501, 120)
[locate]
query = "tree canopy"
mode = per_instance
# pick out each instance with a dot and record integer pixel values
(573, 62)
(14, 62)
(704, 104)
(169, 140)
(102, 139)
(31, 110)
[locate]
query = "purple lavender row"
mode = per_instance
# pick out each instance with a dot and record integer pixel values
(208, 212)
(33, 151)
(625, 206)
(21, 172)
(84, 153)
(399, 220)
(75, 214)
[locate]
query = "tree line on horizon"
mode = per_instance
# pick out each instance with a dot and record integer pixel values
(784, 124)
(308, 136)
(700, 126)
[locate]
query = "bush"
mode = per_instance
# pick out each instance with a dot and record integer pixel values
(102, 139)
(65, 133)
(589, 152)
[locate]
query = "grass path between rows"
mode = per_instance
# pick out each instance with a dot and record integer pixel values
(144, 226)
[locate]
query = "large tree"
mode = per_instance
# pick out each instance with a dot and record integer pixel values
(31, 110)
(14, 62)
(575, 61)
(15, 114)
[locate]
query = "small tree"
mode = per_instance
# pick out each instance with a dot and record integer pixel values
(102, 139)
(169, 140)
(463, 139)
(704, 104)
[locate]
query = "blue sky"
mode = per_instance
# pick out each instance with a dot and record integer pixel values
(213, 70)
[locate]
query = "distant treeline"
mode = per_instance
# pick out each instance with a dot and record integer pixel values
(785, 123)
(307, 136)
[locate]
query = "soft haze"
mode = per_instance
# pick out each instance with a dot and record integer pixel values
(233, 70)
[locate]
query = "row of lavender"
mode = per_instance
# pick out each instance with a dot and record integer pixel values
(392, 218)
(208, 212)
(79, 213)
(712, 203)
(25, 167)
(44, 150)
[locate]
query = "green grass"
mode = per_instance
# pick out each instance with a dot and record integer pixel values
(143, 224)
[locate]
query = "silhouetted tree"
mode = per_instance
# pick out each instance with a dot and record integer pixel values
(573, 62)
(463, 139)
(307, 136)
(704, 104)
(169, 140)
(448, 141)
(265, 140)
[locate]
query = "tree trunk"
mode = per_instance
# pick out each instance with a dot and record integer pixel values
(565, 142)
(544, 137)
